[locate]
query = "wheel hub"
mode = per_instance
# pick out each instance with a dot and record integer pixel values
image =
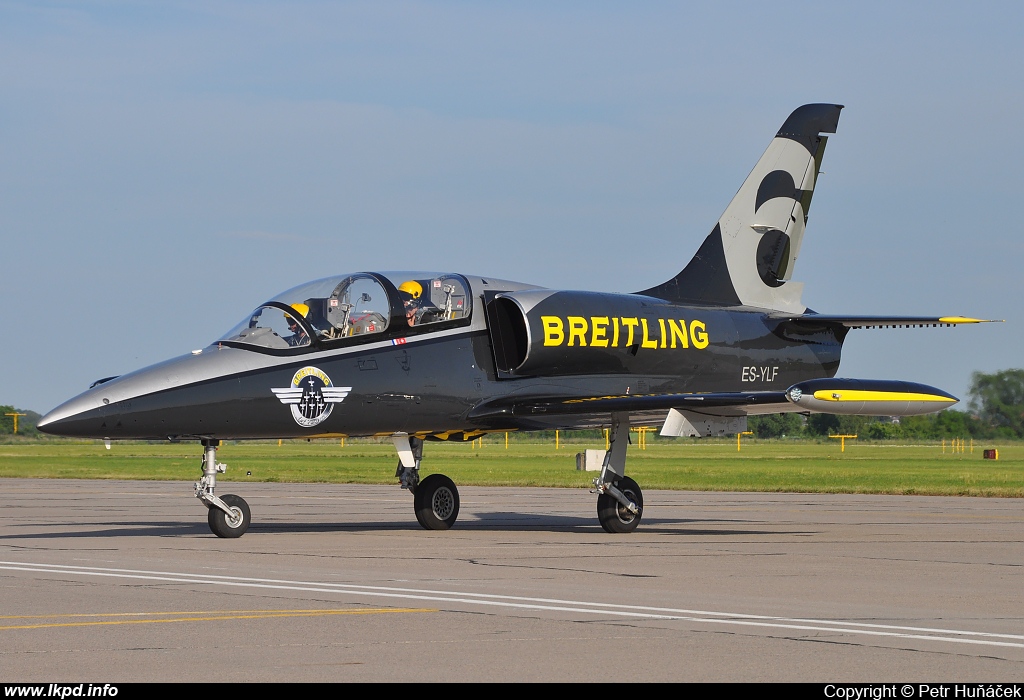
(234, 519)
(624, 513)
(443, 503)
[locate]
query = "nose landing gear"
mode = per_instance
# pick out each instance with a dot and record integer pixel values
(229, 515)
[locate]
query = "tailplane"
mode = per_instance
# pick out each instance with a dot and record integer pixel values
(748, 258)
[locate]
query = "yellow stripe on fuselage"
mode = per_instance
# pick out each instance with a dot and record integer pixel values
(842, 395)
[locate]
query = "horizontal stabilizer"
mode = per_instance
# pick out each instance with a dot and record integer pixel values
(818, 320)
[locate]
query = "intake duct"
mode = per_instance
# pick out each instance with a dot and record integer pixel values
(544, 333)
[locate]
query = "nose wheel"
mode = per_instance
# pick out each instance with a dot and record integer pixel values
(234, 523)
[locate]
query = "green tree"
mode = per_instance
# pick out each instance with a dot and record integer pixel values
(998, 400)
(884, 430)
(776, 425)
(830, 424)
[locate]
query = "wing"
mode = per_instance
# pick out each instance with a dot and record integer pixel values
(681, 414)
(826, 395)
(728, 403)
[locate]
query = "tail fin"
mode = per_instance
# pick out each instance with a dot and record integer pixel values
(748, 258)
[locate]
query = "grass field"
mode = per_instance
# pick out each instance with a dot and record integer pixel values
(706, 465)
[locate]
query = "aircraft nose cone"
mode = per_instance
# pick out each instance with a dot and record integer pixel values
(74, 418)
(45, 424)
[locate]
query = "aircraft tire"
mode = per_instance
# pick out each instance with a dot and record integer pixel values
(436, 501)
(416, 510)
(223, 526)
(614, 517)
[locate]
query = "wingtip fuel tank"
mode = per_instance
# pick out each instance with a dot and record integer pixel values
(864, 397)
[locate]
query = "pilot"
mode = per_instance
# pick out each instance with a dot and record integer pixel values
(298, 336)
(411, 292)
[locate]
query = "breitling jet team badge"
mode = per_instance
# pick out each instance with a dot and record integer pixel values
(311, 396)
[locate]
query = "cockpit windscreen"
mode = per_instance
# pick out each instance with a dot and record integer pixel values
(335, 308)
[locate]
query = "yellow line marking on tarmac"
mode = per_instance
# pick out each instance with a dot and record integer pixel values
(197, 616)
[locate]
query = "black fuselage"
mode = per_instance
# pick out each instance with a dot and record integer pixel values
(565, 345)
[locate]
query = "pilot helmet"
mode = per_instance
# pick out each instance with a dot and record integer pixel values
(410, 291)
(412, 288)
(302, 309)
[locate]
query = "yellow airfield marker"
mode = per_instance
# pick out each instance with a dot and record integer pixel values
(842, 439)
(15, 415)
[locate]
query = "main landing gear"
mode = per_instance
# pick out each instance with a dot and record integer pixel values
(228, 515)
(620, 503)
(435, 498)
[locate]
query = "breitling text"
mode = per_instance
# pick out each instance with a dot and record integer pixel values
(616, 331)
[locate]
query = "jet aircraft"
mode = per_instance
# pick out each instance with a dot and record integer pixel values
(421, 356)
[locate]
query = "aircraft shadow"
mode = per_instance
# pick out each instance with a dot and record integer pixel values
(493, 521)
(486, 522)
(157, 529)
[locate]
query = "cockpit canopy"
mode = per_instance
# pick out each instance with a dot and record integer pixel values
(355, 308)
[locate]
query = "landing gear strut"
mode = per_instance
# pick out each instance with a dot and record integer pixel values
(229, 515)
(435, 499)
(620, 503)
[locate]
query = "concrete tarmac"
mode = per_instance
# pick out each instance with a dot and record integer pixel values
(111, 581)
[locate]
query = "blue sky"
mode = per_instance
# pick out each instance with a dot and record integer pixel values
(165, 167)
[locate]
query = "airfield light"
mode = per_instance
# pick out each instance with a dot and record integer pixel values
(641, 436)
(842, 439)
(748, 432)
(15, 416)
(956, 445)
